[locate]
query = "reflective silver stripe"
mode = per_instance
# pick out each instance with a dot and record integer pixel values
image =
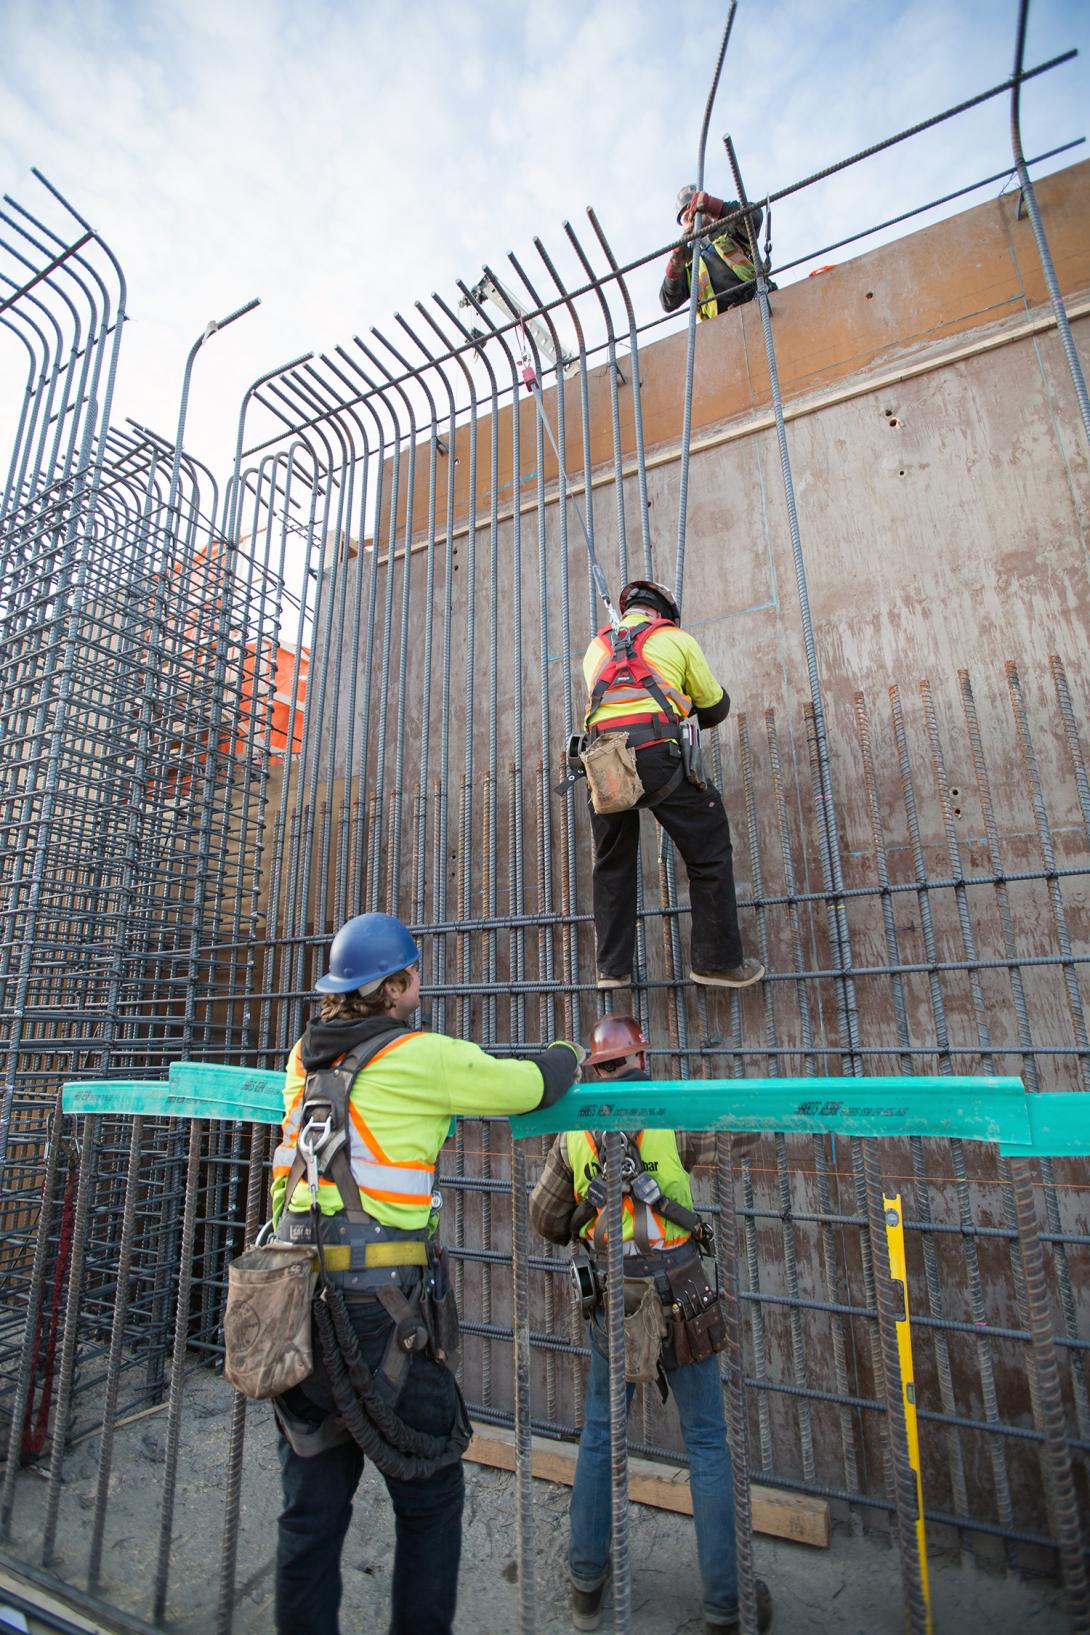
(368, 1171)
(371, 1175)
(655, 1237)
(284, 1155)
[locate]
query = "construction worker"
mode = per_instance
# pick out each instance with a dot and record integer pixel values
(726, 275)
(356, 1170)
(651, 681)
(663, 1242)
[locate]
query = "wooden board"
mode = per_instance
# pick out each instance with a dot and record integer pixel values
(794, 1516)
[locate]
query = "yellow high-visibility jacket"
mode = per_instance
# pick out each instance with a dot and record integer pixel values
(400, 1109)
(677, 660)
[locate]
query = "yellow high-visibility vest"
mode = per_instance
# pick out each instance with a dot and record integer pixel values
(658, 1149)
(738, 260)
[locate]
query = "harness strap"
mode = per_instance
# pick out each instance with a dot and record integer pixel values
(339, 1167)
(410, 1334)
(678, 1215)
(658, 795)
(625, 645)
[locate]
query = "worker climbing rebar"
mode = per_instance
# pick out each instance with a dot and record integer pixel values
(726, 276)
(650, 690)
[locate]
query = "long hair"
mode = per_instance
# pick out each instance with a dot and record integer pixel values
(356, 1006)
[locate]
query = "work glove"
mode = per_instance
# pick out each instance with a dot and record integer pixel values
(577, 1051)
(709, 206)
(679, 260)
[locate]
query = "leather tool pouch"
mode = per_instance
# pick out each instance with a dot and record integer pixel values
(697, 1327)
(266, 1328)
(610, 765)
(644, 1329)
(441, 1312)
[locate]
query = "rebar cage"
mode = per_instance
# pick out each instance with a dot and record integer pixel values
(230, 720)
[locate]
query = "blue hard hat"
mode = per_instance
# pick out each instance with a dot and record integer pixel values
(365, 952)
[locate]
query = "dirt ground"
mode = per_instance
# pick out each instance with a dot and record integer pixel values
(852, 1588)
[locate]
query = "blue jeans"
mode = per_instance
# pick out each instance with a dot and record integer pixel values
(699, 1397)
(318, 1494)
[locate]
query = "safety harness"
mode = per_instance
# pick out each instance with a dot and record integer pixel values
(691, 1327)
(626, 677)
(738, 261)
(370, 1258)
(641, 1186)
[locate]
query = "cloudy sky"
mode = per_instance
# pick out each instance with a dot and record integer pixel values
(342, 158)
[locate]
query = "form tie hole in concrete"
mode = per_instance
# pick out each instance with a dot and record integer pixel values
(869, 296)
(901, 473)
(893, 422)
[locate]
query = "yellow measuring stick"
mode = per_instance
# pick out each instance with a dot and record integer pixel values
(895, 1238)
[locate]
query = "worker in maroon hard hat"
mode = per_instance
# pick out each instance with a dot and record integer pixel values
(650, 683)
(664, 1241)
(726, 275)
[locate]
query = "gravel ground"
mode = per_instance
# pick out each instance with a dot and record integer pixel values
(850, 1589)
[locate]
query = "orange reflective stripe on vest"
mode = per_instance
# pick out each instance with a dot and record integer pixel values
(396, 1181)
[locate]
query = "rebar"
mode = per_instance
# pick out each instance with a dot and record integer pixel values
(233, 716)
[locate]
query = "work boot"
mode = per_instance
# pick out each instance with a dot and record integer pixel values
(764, 1615)
(738, 976)
(586, 1605)
(605, 982)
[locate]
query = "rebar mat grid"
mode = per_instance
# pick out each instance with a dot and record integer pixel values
(172, 873)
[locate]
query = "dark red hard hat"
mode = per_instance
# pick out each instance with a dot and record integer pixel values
(614, 1037)
(649, 593)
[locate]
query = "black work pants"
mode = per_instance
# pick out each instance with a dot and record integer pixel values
(318, 1494)
(697, 823)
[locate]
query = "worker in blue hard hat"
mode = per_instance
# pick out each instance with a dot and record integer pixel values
(368, 1104)
(650, 691)
(726, 275)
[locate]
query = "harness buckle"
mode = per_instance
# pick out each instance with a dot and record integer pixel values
(645, 1189)
(313, 1139)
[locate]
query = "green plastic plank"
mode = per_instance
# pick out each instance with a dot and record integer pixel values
(976, 1109)
(229, 1099)
(113, 1095)
(1055, 1124)
(1059, 1126)
(233, 1086)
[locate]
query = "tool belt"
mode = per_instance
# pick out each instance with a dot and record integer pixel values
(673, 1315)
(405, 1271)
(668, 1295)
(608, 758)
(360, 1257)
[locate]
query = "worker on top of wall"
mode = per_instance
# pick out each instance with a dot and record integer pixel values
(673, 1327)
(726, 276)
(368, 1106)
(652, 683)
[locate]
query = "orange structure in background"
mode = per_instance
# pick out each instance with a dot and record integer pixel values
(261, 678)
(287, 668)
